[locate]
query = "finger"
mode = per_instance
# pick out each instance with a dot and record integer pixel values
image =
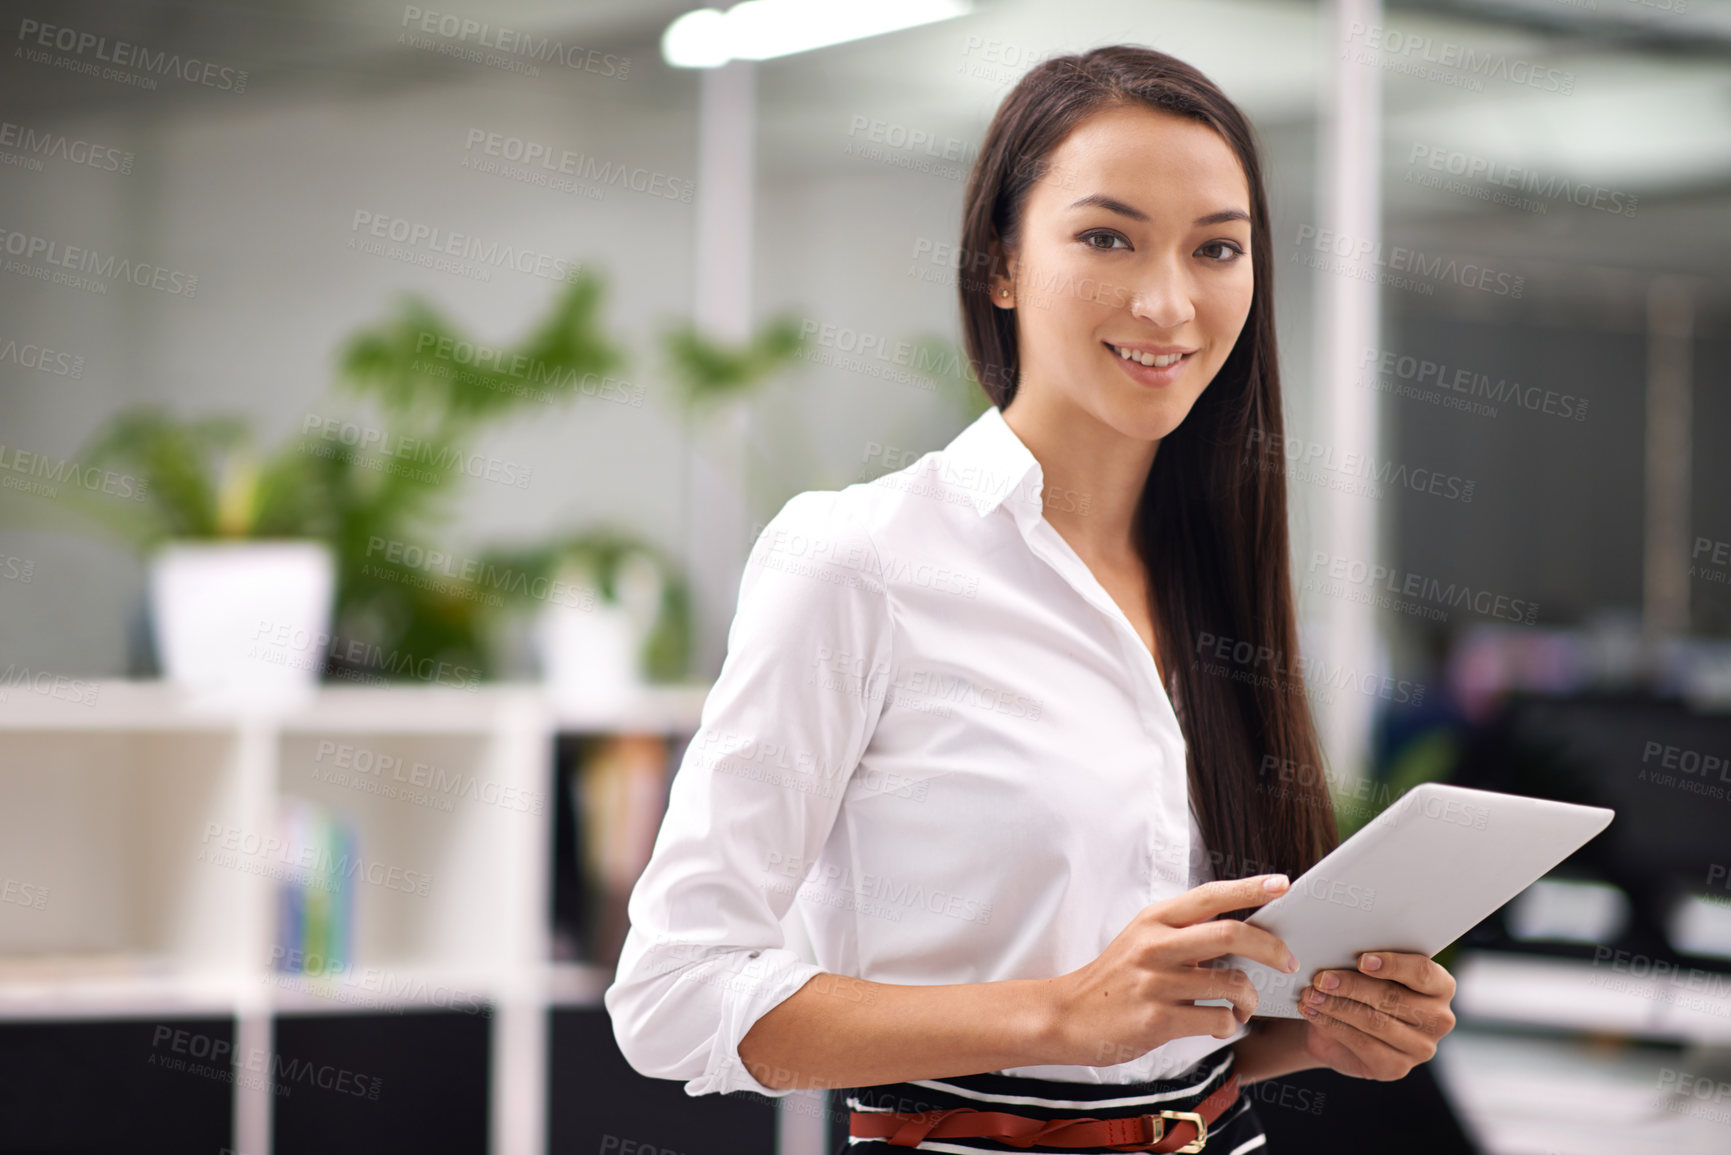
(1429, 1014)
(1420, 973)
(1393, 1033)
(1201, 903)
(1188, 1020)
(1200, 983)
(1375, 1058)
(1226, 936)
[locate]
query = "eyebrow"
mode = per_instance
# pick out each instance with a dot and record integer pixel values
(1100, 200)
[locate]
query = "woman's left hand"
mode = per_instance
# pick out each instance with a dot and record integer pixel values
(1380, 1021)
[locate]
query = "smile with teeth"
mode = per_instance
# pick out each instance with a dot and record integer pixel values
(1159, 362)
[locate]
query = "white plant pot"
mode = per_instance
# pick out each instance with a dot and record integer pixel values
(590, 657)
(245, 621)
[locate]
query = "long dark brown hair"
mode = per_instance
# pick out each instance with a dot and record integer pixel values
(1211, 522)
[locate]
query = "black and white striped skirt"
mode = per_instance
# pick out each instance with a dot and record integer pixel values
(1236, 1132)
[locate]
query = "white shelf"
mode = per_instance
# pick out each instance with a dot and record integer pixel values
(577, 984)
(1576, 995)
(54, 989)
(138, 706)
(1569, 1096)
(134, 820)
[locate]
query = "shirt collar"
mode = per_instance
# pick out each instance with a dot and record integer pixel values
(994, 466)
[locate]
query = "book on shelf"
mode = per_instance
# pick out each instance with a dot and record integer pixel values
(315, 896)
(618, 793)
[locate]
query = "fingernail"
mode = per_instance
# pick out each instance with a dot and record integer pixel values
(1370, 962)
(1274, 882)
(1313, 997)
(1307, 1010)
(1291, 962)
(1328, 981)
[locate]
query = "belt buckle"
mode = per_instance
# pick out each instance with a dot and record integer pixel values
(1157, 1124)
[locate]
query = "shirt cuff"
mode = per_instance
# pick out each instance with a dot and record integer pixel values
(754, 984)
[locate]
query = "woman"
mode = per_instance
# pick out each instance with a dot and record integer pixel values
(982, 716)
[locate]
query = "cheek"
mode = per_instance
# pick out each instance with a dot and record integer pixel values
(1223, 314)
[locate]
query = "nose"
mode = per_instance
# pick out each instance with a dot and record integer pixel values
(1162, 296)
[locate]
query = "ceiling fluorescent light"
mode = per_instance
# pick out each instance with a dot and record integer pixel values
(764, 29)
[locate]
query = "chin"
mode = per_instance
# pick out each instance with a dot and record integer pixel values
(1151, 421)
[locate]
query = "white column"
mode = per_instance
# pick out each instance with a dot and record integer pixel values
(1665, 584)
(258, 745)
(1348, 322)
(716, 508)
(521, 755)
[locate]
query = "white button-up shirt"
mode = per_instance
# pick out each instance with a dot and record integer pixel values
(936, 730)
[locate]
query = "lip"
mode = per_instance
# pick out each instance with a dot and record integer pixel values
(1150, 375)
(1157, 350)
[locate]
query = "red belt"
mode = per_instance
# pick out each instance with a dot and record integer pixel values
(1160, 1131)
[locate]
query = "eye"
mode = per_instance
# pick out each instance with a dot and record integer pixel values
(1232, 249)
(1089, 238)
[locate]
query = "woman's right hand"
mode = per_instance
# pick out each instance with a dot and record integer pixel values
(1140, 992)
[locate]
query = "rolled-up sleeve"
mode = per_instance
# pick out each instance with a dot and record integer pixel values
(754, 800)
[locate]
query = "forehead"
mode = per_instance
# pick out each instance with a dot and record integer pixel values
(1147, 159)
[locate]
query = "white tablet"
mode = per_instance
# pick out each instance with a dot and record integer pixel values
(1422, 873)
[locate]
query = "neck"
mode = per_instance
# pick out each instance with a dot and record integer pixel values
(1092, 474)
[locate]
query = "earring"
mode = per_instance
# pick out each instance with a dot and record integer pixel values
(1003, 292)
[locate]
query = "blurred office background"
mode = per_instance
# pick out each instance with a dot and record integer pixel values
(520, 331)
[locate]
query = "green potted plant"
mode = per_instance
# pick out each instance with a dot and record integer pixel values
(612, 613)
(241, 580)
